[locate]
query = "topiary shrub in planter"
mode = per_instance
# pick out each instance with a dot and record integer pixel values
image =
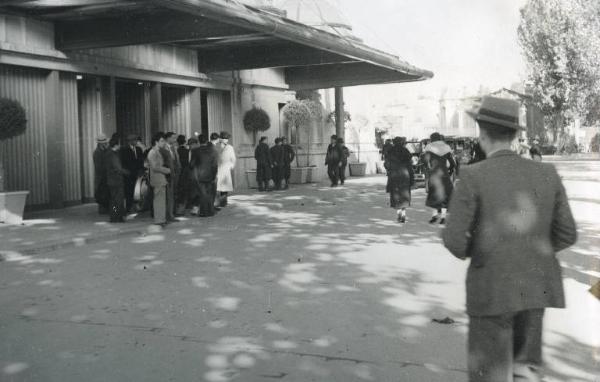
(255, 120)
(13, 122)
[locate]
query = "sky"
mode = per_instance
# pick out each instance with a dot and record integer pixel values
(466, 43)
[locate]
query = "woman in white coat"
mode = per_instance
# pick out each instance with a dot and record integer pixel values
(226, 166)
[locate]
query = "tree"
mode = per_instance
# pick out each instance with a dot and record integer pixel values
(255, 120)
(595, 144)
(561, 42)
(13, 122)
(297, 113)
(358, 125)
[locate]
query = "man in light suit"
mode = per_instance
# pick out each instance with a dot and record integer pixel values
(510, 216)
(158, 179)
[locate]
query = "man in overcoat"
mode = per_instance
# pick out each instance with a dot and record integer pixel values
(288, 158)
(132, 159)
(277, 154)
(510, 216)
(264, 164)
(101, 191)
(115, 178)
(204, 165)
(333, 161)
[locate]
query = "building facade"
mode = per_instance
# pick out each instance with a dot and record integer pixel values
(187, 67)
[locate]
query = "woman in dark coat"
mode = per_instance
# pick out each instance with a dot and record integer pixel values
(400, 174)
(440, 165)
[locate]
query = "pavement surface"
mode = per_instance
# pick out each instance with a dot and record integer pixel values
(311, 284)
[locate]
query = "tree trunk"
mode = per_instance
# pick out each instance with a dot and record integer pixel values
(308, 147)
(1, 167)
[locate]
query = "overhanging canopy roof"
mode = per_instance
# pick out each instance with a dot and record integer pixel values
(227, 35)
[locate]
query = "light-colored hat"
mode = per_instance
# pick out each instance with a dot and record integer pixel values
(498, 111)
(101, 138)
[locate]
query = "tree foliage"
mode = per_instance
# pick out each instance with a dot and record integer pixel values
(13, 121)
(561, 42)
(595, 144)
(300, 113)
(256, 119)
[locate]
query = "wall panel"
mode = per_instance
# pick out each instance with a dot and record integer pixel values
(72, 143)
(176, 114)
(25, 156)
(90, 125)
(219, 111)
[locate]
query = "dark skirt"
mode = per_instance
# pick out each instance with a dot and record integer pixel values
(398, 186)
(439, 190)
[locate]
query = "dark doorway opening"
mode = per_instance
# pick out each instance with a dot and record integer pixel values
(204, 113)
(131, 110)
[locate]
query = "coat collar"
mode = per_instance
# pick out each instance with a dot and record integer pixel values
(502, 153)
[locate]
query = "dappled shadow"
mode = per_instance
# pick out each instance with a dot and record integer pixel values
(310, 284)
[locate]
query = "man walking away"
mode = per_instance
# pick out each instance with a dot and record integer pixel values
(288, 158)
(159, 173)
(115, 174)
(225, 171)
(440, 163)
(344, 162)
(277, 155)
(511, 231)
(264, 164)
(132, 158)
(535, 151)
(101, 191)
(204, 165)
(333, 161)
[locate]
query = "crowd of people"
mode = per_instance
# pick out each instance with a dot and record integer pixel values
(172, 175)
(273, 164)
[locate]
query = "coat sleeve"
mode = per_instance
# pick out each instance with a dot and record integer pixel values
(564, 229)
(116, 164)
(461, 219)
(155, 164)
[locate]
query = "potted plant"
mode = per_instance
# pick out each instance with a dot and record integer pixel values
(255, 120)
(12, 123)
(358, 168)
(298, 113)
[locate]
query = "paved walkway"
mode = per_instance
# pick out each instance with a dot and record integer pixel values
(314, 284)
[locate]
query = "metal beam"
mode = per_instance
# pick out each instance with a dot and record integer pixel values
(268, 56)
(343, 75)
(139, 29)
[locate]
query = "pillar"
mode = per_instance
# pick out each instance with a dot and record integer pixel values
(339, 113)
(195, 111)
(109, 105)
(55, 139)
(155, 107)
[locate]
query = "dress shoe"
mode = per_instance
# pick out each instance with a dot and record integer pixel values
(442, 221)
(433, 219)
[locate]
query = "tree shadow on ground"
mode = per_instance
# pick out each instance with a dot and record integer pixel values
(311, 284)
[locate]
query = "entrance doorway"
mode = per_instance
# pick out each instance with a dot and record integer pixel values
(131, 110)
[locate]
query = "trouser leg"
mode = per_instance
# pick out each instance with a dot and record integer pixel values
(490, 348)
(129, 191)
(170, 202)
(223, 201)
(332, 173)
(159, 204)
(527, 337)
(342, 173)
(117, 200)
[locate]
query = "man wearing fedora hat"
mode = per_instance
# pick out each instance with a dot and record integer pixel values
(510, 216)
(101, 191)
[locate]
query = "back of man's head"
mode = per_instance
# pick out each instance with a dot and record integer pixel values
(214, 136)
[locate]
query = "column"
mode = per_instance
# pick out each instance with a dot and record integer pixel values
(339, 112)
(155, 107)
(55, 139)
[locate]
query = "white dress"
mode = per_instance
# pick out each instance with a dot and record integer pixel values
(226, 165)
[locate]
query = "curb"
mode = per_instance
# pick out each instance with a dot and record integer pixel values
(76, 242)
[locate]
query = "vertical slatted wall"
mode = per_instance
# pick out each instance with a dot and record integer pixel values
(72, 148)
(90, 125)
(24, 157)
(219, 111)
(176, 115)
